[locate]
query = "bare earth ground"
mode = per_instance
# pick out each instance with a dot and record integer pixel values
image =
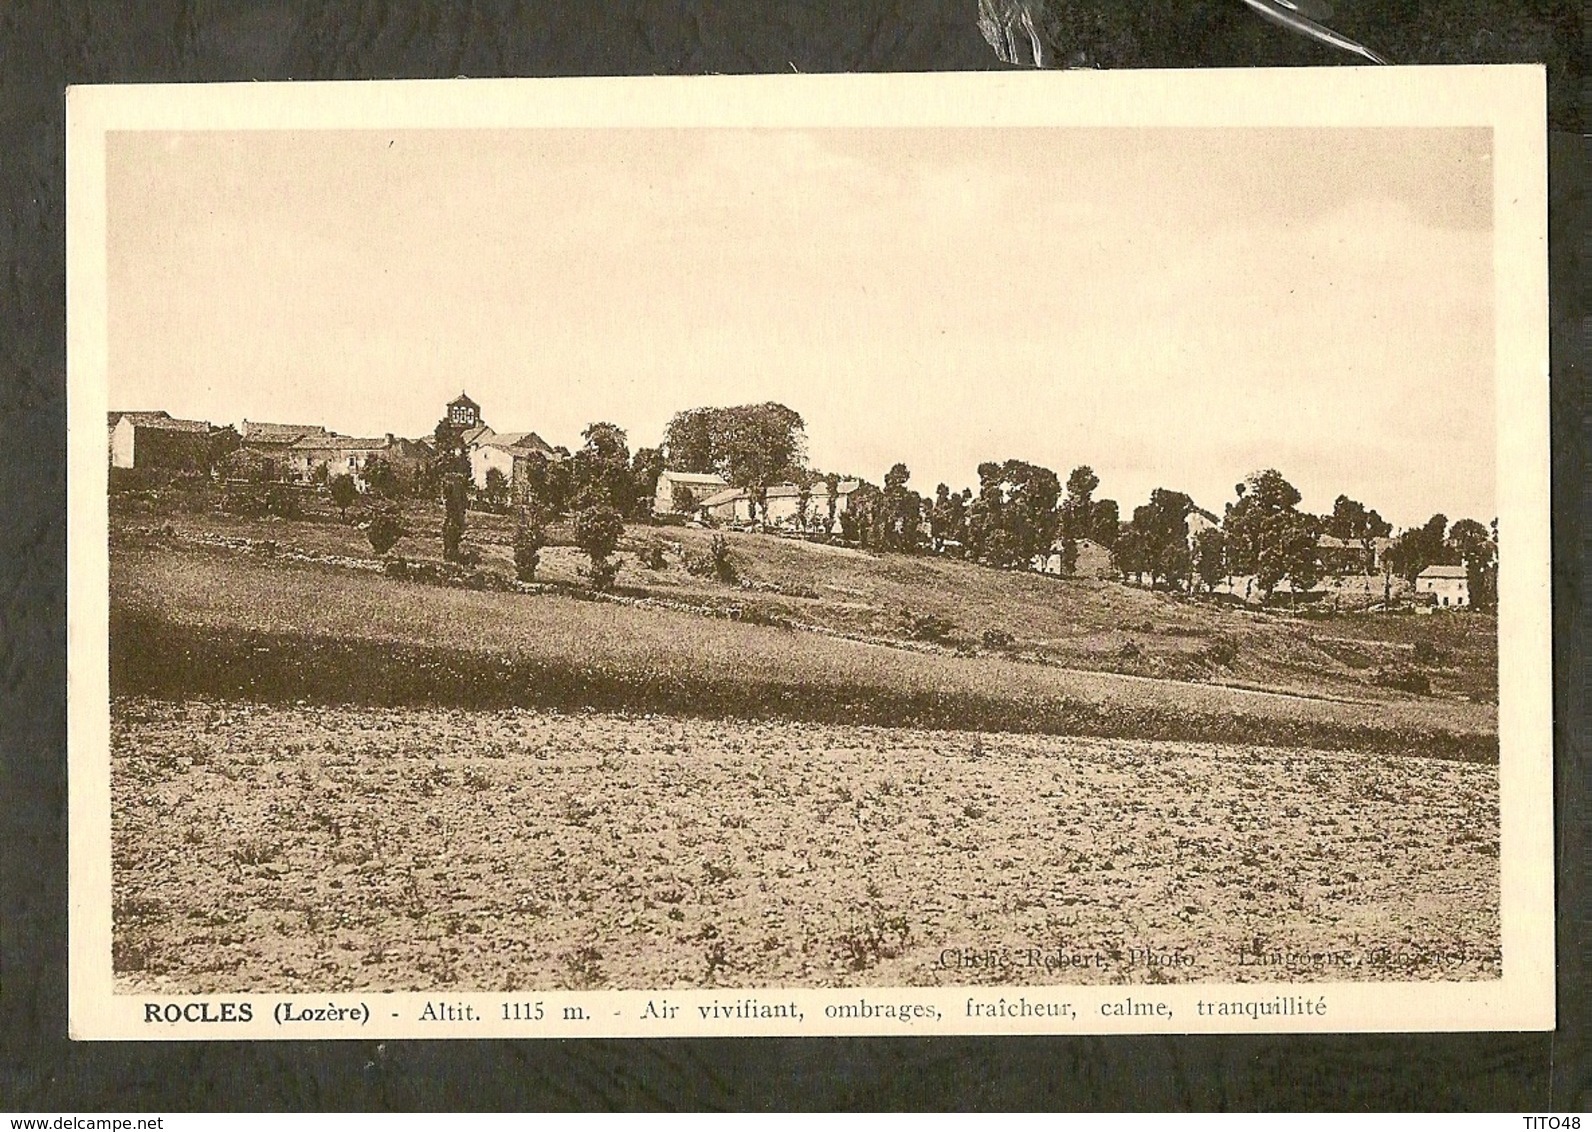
(298, 847)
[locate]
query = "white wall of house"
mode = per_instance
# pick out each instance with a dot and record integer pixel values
(701, 486)
(122, 443)
(485, 457)
(338, 462)
(1449, 592)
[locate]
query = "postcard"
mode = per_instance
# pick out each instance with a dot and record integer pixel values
(1056, 552)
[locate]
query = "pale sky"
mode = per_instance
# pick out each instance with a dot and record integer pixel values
(1176, 308)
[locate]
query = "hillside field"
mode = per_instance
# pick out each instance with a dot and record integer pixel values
(379, 783)
(1082, 624)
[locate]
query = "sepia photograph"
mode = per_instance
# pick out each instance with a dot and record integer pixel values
(733, 555)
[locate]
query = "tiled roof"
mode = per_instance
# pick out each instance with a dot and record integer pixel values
(139, 418)
(692, 477)
(819, 490)
(160, 419)
(330, 443)
(517, 442)
(1444, 572)
(170, 424)
(728, 495)
(266, 430)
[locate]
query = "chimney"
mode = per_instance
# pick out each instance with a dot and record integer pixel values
(389, 440)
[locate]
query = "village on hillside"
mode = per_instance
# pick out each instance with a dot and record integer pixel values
(750, 476)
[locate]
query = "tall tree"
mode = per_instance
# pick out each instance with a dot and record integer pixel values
(343, 493)
(455, 495)
(1127, 554)
(948, 517)
(452, 457)
(1104, 522)
(756, 446)
(598, 526)
(1210, 557)
(1268, 536)
(1077, 510)
(688, 441)
(1015, 515)
(831, 500)
(1353, 522)
(752, 446)
(1474, 545)
(382, 478)
(1420, 547)
(1162, 524)
(984, 518)
(899, 522)
(601, 469)
(646, 466)
(496, 492)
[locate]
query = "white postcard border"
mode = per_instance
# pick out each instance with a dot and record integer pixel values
(1510, 100)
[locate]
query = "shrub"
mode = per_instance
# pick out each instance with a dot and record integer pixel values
(1428, 653)
(597, 529)
(396, 566)
(925, 626)
(603, 573)
(1404, 680)
(283, 502)
(138, 479)
(718, 563)
(342, 490)
(385, 529)
(243, 501)
(652, 555)
(1222, 650)
(998, 639)
(529, 537)
(467, 555)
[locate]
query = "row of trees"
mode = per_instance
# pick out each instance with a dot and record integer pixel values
(1019, 511)
(1265, 535)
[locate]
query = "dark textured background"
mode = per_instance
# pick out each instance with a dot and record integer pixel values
(46, 45)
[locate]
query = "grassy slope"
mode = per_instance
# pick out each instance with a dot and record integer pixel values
(187, 621)
(1078, 623)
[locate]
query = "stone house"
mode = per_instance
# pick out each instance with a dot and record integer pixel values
(681, 493)
(1449, 586)
(274, 443)
(1094, 560)
(158, 440)
(783, 504)
(506, 452)
(349, 455)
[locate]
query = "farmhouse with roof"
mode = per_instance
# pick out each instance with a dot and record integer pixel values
(506, 453)
(681, 493)
(736, 504)
(274, 443)
(351, 455)
(1351, 555)
(158, 440)
(1093, 561)
(1449, 586)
